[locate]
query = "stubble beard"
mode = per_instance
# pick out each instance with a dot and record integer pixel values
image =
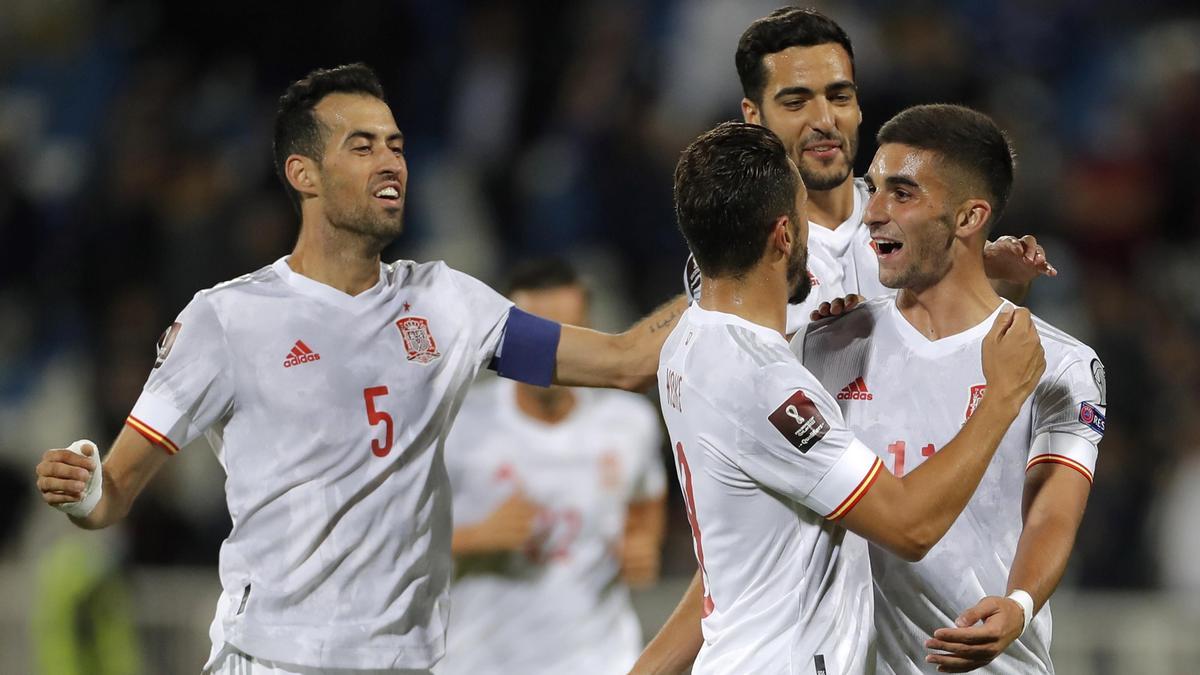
(824, 178)
(930, 261)
(797, 276)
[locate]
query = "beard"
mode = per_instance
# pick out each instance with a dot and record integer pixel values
(348, 212)
(797, 276)
(820, 177)
(930, 259)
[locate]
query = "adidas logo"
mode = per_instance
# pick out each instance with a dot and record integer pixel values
(300, 354)
(855, 391)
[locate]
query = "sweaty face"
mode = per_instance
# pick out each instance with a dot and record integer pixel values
(811, 103)
(363, 173)
(910, 215)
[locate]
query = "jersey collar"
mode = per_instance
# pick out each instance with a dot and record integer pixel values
(328, 294)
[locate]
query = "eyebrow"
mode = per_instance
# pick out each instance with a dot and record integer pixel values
(370, 136)
(840, 85)
(901, 181)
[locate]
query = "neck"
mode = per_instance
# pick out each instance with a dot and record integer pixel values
(344, 260)
(958, 301)
(831, 208)
(760, 296)
(550, 405)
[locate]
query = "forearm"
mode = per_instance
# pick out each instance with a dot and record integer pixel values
(679, 640)
(1041, 558)
(628, 360)
(112, 507)
(1013, 291)
(469, 540)
(936, 492)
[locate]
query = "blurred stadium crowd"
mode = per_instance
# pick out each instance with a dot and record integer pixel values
(135, 170)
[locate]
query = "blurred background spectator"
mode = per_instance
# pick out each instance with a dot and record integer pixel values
(135, 170)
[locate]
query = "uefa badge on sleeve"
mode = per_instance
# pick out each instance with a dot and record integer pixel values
(418, 341)
(165, 342)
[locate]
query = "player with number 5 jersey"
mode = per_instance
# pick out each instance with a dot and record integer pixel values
(326, 383)
(772, 478)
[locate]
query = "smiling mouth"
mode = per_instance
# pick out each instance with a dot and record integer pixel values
(389, 195)
(885, 247)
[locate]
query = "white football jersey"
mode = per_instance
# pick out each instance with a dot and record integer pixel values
(560, 606)
(840, 262)
(767, 466)
(906, 396)
(328, 413)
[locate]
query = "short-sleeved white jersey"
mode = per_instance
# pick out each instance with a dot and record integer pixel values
(767, 466)
(328, 413)
(840, 262)
(560, 606)
(905, 397)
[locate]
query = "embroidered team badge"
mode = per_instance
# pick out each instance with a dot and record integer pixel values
(974, 398)
(1093, 418)
(165, 342)
(418, 341)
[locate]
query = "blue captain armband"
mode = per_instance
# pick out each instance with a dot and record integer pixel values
(528, 350)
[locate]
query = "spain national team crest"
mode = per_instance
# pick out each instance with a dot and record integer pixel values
(418, 341)
(974, 399)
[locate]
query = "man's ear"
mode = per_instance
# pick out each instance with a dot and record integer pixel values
(782, 240)
(302, 174)
(973, 218)
(750, 112)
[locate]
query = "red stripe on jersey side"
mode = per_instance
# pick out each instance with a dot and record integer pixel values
(301, 345)
(152, 435)
(852, 500)
(1060, 459)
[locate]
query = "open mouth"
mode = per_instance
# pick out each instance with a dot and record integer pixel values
(885, 248)
(390, 195)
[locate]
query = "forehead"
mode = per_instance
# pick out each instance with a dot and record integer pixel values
(344, 114)
(894, 160)
(811, 67)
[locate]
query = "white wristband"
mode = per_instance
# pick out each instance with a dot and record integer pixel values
(91, 494)
(1026, 602)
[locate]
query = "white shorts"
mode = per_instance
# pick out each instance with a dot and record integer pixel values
(233, 662)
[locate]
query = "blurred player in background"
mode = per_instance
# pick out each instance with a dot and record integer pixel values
(771, 476)
(907, 371)
(558, 508)
(796, 68)
(326, 383)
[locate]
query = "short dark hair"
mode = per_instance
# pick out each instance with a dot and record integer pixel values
(964, 138)
(775, 32)
(297, 129)
(731, 184)
(541, 274)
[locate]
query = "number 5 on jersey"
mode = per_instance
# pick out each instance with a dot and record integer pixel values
(689, 501)
(375, 417)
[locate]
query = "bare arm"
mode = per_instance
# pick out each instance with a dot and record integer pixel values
(1054, 500)
(508, 528)
(678, 641)
(909, 515)
(626, 360)
(130, 465)
(1012, 264)
(641, 550)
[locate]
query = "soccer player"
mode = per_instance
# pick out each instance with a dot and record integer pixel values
(326, 383)
(907, 371)
(771, 476)
(558, 506)
(796, 68)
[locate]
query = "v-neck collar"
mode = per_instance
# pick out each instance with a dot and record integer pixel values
(922, 345)
(328, 294)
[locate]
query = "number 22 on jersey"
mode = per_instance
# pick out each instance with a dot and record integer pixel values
(689, 500)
